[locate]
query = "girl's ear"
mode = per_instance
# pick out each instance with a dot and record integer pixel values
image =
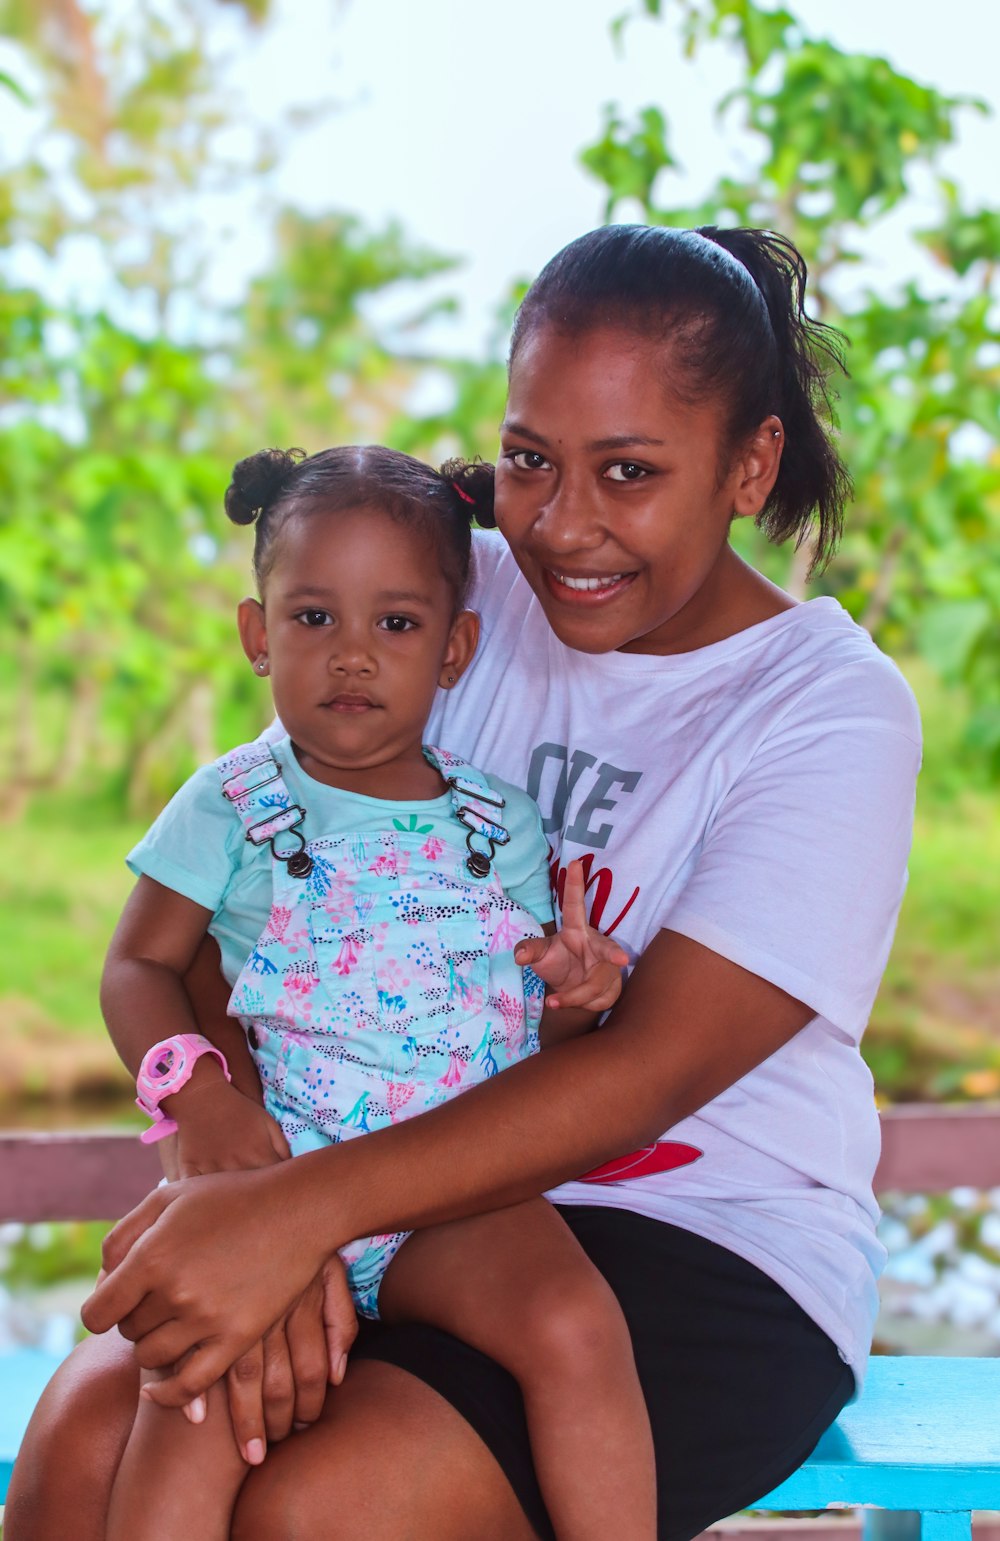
(253, 632)
(461, 646)
(756, 468)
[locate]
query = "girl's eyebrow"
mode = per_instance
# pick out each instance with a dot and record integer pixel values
(614, 441)
(385, 597)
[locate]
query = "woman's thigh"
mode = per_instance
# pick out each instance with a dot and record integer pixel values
(70, 1454)
(739, 1382)
(389, 1460)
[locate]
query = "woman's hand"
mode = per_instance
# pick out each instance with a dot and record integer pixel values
(202, 1269)
(282, 1381)
(581, 964)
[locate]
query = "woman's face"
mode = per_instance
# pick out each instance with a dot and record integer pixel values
(616, 500)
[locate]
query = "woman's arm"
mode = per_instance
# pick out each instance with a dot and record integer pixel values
(188, 1273)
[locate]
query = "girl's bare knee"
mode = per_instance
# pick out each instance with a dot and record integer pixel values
(571, 1322)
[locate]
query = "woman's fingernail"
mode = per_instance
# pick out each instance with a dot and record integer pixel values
(340, 1370)
(255, 1452)
(195, 1411)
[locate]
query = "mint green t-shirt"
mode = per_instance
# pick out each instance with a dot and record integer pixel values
(198, 848)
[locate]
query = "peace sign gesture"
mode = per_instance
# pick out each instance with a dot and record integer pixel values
(580, 964)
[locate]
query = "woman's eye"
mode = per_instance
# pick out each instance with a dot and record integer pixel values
(527, 460)
(625, 471)
(315, 618)
(397, 623)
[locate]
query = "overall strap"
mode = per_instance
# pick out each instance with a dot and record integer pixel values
(253, 785)
(477, 807)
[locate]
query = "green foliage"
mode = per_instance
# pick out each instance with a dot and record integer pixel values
(837, 140)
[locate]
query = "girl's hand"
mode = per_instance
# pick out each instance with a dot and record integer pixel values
(582, 965)
(221, 1130)
(171, 1266)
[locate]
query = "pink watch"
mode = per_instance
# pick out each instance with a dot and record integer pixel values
(165, 1068)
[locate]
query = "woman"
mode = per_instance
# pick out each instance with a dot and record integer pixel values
(737, 772)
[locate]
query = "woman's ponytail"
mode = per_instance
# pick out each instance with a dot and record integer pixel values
(813, 483)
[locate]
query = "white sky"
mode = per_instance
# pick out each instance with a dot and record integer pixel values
(463, 119)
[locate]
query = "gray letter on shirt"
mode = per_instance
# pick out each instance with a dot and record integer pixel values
(607, 777)
(567, 780)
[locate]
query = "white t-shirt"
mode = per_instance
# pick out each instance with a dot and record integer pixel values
(755, 795)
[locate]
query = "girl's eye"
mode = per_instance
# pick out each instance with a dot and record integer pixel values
(397, 623)
(625, 471)
(315, 618)
(528, 460)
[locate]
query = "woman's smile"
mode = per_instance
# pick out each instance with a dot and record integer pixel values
(586, 589)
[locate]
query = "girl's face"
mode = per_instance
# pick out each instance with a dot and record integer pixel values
(616, 500)
(357, 630)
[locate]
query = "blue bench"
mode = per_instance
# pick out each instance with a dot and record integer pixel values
(924, 1437)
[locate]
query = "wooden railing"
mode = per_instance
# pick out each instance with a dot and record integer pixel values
(925, 1149)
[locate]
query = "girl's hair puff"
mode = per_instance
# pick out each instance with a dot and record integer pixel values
(728, 306)
(268, 488)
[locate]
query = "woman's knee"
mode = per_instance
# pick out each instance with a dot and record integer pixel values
(73, 1444)
(388, 1458)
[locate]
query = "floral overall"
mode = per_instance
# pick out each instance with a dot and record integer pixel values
(384, 982)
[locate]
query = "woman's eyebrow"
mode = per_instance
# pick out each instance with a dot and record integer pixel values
(614, 441)
(625, 441)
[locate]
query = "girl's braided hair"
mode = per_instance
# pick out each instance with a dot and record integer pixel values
(269, 487)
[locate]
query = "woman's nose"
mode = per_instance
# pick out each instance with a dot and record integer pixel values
(570, 519)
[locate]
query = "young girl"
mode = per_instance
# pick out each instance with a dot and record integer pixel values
(367, 893)
(736, 771)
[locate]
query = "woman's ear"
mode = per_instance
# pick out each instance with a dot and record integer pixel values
(253, 633)
(756, 468)
(462, 643)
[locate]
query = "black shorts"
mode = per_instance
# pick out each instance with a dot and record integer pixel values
(739, 1381)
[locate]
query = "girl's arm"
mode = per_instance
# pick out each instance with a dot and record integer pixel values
(186, 1272)
(144, 1000)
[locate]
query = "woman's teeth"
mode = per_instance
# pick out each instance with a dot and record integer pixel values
(589, 584)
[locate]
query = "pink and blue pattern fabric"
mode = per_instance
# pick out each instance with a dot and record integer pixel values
(384, 982)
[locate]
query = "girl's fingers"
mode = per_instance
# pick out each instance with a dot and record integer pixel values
(340, 1320)
(245, 1392)
(531, 950)
(574, 908)
(593, 995)
(165, 1347)
(278, 1384)
(306, 1338)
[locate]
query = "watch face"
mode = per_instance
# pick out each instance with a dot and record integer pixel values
(164, 1064)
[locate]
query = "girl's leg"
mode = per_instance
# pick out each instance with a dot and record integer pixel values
(177, 1478)
(70, 1453)
(516, 1285)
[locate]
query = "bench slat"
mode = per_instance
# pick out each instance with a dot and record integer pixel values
(924, 1435)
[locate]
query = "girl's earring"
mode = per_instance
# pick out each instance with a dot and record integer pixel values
(260, 664)
(451, 679)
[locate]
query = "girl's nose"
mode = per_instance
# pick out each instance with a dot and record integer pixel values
(352, 655)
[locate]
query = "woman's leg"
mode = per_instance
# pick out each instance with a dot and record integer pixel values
(517, 1285)
(389, 1460)
(67, 1463)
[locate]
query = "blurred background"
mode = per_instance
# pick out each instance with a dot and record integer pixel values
(231, 223)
